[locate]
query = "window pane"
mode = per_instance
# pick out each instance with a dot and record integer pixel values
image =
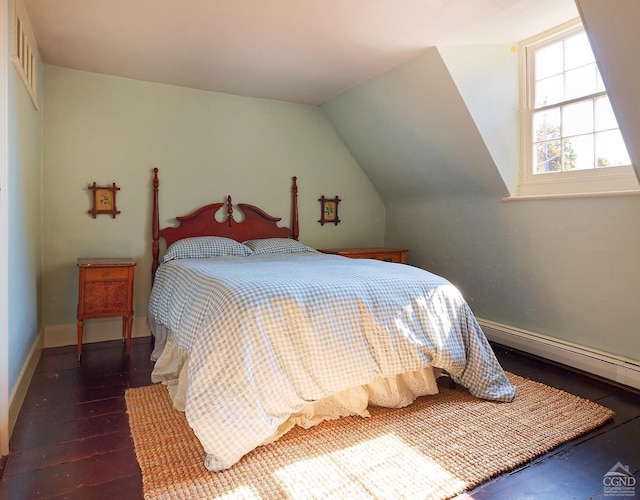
(546, 125)
(577, 118)
(578, 153)
(577, 51)
(605, 119)
(548, 61)
(580, 82)
(547, 157)
(549, 91)
(610, 149)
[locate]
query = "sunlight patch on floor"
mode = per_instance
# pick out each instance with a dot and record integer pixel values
(241, 492)
(384, 467)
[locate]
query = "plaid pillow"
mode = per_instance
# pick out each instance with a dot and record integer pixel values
(205, 246)
(277, 245)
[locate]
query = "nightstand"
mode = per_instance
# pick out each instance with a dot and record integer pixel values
(105, 290)
(398, 255)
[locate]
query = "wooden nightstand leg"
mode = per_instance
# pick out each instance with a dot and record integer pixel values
(129, 330)
(80, 331)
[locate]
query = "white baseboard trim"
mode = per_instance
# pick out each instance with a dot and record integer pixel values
(95, 330)
(24, 379)
(610, 366)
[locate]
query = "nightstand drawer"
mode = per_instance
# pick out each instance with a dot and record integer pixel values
(397, 255)
(385, 256)
(106, 273)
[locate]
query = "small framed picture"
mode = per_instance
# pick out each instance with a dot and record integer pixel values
(329, 210)
(104, 200)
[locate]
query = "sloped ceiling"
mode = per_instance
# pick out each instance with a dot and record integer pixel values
(291, 50)
(413, 134)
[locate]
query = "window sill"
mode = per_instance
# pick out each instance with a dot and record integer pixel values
(556, 196)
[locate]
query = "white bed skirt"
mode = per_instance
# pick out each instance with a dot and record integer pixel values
(172, 367)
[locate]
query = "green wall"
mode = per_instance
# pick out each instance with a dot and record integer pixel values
(566, 268)
(207, 145)
(24, 214)
(435, 138)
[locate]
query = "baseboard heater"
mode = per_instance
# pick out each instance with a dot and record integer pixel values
(609, 366)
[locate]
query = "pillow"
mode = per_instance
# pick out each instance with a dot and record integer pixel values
(205, 246)
(277, 245)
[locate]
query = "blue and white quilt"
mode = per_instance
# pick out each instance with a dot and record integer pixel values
(268, 333)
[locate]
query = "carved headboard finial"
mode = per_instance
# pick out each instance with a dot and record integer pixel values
(229, 210)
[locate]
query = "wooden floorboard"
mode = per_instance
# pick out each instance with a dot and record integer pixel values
(72, 437)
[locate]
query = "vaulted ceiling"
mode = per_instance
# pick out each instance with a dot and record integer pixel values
(291, 50)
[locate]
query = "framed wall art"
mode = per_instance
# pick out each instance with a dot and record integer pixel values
(329, 210)
(104, 200)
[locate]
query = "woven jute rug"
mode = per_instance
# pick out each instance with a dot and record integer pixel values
(436, 448)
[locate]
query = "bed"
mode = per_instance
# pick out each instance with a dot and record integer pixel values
(257, 332)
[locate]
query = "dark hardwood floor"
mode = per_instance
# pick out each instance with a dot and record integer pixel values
(72, 437)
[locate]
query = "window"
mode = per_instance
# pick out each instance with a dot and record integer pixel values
(571, 142)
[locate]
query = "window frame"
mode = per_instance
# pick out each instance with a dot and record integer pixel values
(588, 181)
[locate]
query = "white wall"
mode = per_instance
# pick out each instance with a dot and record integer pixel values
(207, 145)
(487, 79)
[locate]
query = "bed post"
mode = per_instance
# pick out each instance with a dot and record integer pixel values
(155, 226)
(294, 215)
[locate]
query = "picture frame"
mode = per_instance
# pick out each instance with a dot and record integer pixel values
(329, 210)
(104, 200)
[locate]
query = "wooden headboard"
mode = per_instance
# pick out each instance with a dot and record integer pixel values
(257, 223)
